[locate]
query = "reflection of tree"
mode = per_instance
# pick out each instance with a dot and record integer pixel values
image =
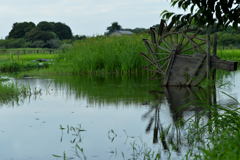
(179, 100)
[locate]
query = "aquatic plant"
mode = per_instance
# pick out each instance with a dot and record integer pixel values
(11, 93)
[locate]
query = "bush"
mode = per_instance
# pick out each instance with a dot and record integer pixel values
(37, 44)
(53, 43)
(13, 43)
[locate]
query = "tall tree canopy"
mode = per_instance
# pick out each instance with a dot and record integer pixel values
(19, 30)
(207, 12)
(45, 26)
(29, 30)
(62, 30)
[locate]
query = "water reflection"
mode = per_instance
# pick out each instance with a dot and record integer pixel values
(160, 118)
(108, 90)
(182, 103)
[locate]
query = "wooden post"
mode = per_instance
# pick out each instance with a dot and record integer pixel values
(214, 72)
(208, 50)
(215, 39)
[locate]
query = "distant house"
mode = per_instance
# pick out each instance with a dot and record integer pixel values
(121, 32)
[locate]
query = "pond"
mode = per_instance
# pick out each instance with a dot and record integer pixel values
(103, 118)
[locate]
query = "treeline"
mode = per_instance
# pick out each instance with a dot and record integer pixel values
(43, 35)
(54, 35)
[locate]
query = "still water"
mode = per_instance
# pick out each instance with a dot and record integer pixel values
(102, 118)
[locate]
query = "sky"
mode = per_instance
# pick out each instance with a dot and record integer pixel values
(85, 17)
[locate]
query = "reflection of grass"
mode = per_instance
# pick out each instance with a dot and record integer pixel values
(109, 89)
(212, 133)
(8, 93)
(11, 93)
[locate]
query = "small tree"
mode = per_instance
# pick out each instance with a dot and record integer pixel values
(114, 27)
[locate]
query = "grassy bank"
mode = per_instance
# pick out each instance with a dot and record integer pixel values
(119, 55)
(23, 62)
(230, 54)
(97, 55)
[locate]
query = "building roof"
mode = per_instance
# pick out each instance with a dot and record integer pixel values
(121, 32)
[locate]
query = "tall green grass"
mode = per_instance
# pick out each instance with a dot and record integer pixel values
(117, 54)
(230, 54)
(22, 62)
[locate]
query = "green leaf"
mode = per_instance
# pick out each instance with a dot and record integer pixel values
(56, 156)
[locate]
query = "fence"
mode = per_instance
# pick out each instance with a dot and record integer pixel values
(28, 51)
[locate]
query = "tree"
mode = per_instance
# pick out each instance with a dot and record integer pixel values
(46, 26)
(63, 31)
(19, 30)
(218, 13)
(38, 35)
(114, 27)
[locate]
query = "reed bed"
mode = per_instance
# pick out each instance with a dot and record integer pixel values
(230, 54)
(117, 54)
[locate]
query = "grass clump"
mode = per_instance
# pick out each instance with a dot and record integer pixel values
(224, 142)
(116, 54)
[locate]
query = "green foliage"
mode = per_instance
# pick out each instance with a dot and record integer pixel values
(19, 30)
(131, 89)
(114, 27)
(229, 40)
(38, 35)
(18, 63)
(44, 35)
(206, 12)
(14, 94)
(225, 147)
(79, 37)
(37, 44)
(45, 26)
(230, 54)
(13, 43)
(53, 43)
(13, 67)
(62, 31)
(103, 55)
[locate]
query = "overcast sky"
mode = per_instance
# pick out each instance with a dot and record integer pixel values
(85, 17)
